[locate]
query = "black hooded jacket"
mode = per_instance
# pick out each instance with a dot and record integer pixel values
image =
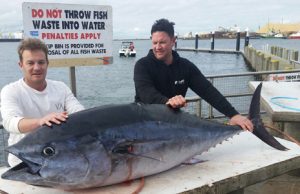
(156, 82)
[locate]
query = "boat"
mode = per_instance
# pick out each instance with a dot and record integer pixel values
(295, 36)
(279, 35)
(273, 35)
(127, 49)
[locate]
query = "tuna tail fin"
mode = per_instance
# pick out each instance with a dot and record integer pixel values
(259, 129)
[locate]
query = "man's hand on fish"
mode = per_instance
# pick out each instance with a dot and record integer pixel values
(241, 121)
(53, 118)
(177, 102)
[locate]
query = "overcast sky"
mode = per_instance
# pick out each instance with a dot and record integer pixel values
(134, 18)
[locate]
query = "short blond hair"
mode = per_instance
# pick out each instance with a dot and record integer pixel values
(32, 44)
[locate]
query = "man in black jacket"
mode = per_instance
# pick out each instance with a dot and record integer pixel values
(163, 77)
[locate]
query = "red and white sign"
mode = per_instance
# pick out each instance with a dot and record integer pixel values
(287, 77)
(70, 31)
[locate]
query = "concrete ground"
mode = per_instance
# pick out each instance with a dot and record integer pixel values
(288, 183)
(285, 184)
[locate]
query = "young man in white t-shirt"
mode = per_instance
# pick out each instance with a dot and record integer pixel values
(34, 101)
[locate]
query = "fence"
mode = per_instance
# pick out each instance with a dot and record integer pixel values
(3, 144)
(233, 86)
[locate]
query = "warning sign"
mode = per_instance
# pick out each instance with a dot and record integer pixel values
(71, 31)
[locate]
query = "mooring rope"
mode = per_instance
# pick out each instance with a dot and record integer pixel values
(284, 134)
(273, 100)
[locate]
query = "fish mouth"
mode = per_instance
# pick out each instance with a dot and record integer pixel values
(27, 170)
(22, 172)
(32, 167)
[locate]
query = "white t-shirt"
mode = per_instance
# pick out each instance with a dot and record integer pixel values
(18, 101)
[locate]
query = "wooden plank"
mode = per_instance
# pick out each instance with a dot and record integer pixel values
(237, 163)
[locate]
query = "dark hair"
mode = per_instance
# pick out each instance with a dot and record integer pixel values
(163, 25)
(32, 44)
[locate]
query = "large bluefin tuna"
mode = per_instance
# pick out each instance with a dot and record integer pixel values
(117, 143)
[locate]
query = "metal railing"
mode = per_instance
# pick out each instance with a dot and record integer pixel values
(294, 63)
(3, 144)
(195, 104)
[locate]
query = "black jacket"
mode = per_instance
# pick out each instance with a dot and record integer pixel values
(156, 82)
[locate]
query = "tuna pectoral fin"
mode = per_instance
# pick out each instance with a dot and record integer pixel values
(259, 129)
(193, 161)
(131, 148)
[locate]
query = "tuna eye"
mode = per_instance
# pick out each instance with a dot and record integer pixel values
(48, 151)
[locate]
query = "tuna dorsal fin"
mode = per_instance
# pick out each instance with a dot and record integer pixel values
(259, 129)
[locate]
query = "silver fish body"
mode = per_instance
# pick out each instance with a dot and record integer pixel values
(115, 143)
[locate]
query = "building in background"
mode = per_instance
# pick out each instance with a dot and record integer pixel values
(278, 30)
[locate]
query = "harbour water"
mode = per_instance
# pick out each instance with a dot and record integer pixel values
(106, 84)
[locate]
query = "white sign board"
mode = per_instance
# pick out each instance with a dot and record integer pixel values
(280, 99)
(71, 31)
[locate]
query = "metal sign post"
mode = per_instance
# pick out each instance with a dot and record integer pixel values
(73, 80)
